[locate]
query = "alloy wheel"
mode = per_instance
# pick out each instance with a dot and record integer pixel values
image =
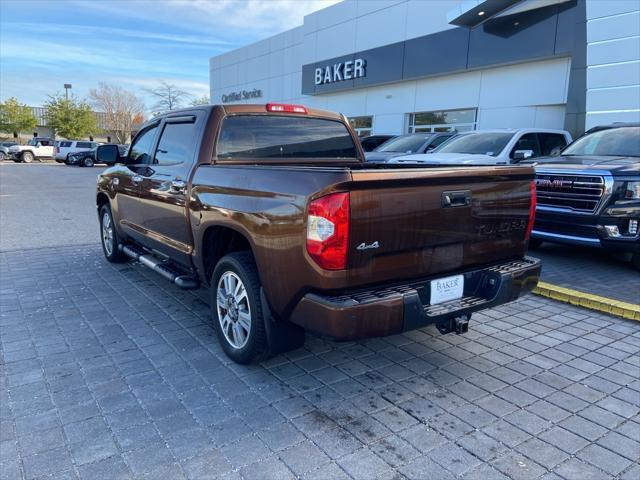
(234, 310)
(107, 233)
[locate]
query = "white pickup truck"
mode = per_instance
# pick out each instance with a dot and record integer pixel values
(493, 147)
(37, 148)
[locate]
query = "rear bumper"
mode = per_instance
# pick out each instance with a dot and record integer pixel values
(394, 309)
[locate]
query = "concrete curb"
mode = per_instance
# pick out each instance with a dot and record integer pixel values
(587, 300)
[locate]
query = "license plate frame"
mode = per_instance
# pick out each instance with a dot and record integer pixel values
(446, 289)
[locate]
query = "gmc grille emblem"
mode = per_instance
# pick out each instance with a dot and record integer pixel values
(546, 182)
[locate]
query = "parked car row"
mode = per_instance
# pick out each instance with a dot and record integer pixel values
(87, 158)
(477, 147)
(70, 152)
(588, 191)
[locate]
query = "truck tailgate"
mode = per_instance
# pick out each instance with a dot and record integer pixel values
(430, 221)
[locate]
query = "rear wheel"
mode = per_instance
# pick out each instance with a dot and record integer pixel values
(109, 237)
(28, 157)
(237, 309)
(2, 156)
(87, 162)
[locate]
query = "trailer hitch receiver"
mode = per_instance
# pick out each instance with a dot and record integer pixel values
(459, 325)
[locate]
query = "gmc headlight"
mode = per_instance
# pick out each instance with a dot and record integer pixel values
(633, 190)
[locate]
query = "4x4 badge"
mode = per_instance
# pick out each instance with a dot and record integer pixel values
(364, 246)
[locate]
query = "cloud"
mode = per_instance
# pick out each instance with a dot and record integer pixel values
(194, 87)
(132, 43)
(120, 34)
(255, 18)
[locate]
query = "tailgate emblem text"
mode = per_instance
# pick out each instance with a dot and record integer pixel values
(364, 246)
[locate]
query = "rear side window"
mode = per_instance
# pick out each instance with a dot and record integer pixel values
(65, 144)
(84, 145)
(528, 141)
(272, 136)
(551, 143)
(176, 144)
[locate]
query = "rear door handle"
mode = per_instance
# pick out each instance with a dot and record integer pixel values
(459, 198)
(177, 186)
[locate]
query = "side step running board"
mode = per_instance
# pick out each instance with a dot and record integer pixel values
(185, 282)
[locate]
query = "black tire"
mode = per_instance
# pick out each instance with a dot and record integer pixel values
(534, 243)
(2, 156)
(87, 162)
(28, 157)
(243, 266)
(112, 253)
(635, 261)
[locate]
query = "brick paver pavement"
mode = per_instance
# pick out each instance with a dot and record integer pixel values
(111, 372)
(589, 270)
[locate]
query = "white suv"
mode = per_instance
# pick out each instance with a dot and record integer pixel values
(36, 149)
(493, 147)
(66, 147)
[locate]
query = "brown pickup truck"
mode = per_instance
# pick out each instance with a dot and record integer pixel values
(273, 209)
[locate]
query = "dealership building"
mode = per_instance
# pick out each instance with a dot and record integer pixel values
(401, 66)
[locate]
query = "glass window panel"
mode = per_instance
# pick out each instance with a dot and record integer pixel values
(271, 136)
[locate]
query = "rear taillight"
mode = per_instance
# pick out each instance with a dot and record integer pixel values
(285, 108)
(532, 210)
(328, 230)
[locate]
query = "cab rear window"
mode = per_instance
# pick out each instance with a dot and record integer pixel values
(279, 137)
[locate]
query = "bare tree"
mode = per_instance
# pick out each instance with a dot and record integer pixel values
(168, 95)
(122, 109)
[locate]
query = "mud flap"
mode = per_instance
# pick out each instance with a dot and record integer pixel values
(281, 336)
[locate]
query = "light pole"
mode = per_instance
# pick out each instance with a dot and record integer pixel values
(67, 87)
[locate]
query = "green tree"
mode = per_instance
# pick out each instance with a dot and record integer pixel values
(70, 118)
(203, 100)
(15, 117)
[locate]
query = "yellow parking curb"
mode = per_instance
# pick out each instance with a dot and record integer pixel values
(630, 311)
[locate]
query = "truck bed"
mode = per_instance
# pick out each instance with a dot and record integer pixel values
(399, 215)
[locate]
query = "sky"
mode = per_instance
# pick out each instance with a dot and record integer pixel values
(130, 43)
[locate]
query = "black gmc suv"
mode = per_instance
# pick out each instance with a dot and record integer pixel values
(590, 193)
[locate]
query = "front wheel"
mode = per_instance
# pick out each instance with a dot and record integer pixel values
(237, 309)
(2, 156)
(109, 237)
(28, 157)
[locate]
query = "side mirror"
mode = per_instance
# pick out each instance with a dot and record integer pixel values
(38, 145)
(522, 154)
(108, 154)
